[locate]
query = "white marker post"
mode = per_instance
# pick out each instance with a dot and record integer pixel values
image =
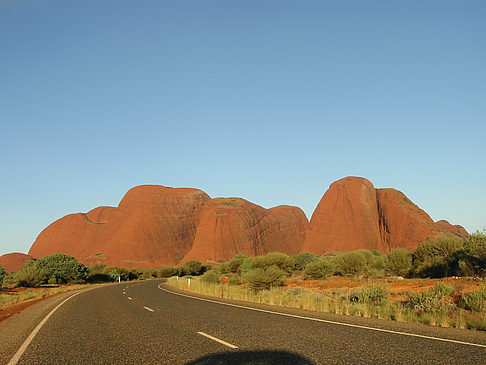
(188, 282)
(119, 278)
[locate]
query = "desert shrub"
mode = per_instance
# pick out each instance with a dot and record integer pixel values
(245, 266)
(233, 265)
(352, 263)
(62, 268)
(431, 300)
(472, 261)
(398, 262)
(192, 268)
(3, 274)
(322, 268)
(167, 271)
(234, 281)
(264, 277)
(211, 276)
(437, 258)
(282, 261)
(302, 260)
(442, 290)
(148, 274)
(370, 294)
(28, 276)
(474, 300)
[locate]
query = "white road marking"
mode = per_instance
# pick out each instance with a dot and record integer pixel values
(129, 298)
(218, 340)
(149, 309)
(327, 321)
(15, 359)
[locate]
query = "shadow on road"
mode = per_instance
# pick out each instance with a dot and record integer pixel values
(252, 358)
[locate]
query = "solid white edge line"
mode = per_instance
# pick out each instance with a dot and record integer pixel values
(149, 309)
(218, 340)
(15, 359)
(327, 321)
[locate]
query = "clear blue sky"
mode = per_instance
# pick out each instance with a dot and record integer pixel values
(266, 100)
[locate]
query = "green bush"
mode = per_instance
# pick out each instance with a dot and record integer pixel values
(438, 258)
(211, 276)
(3, 274)
(282, 261)
(370, 294)
(233, 265)
(264, 277)
(398, 262)
(28, 276)
(62, 268)
(474, 300)
(302, 260)
(353, 263)
(167, 272)
(192, 268)
(472, 261)
(322, 268)
(431, 300)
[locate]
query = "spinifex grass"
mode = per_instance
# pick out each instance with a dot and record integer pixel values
(368, 302)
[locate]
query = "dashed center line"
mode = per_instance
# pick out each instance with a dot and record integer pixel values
(149, 309)
(129, 298)
(218, 340)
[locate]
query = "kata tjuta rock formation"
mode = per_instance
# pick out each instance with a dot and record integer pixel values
(352, 215)
(231, 226)
(151, 227)
(155, 226)
(14, 261)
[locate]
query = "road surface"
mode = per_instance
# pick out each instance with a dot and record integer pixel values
(143, 323)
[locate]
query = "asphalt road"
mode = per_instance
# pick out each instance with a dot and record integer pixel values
(138, 323)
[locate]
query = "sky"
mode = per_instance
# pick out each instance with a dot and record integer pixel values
(270, 101)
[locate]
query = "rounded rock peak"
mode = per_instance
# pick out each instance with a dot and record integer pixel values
(352, 180)
(14, 261)
(143, 194)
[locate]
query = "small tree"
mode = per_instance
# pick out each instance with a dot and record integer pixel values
(61, 268)
(28, 276)
(192, 268)
(472, 261)
(211, 276)
(303, 259)
(3, 273)
(167, 271)
(352, 263)
(322, 268)
(438, 258)
(263, 277)
(398, 262)
(282, 261)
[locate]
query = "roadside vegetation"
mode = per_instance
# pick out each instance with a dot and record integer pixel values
(60, 273)
(441, 283)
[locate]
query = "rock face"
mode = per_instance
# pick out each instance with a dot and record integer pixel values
(446, 227)
(152, 226)
(155, 226)
(14, 261)
(231, 226)
(352, 215)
